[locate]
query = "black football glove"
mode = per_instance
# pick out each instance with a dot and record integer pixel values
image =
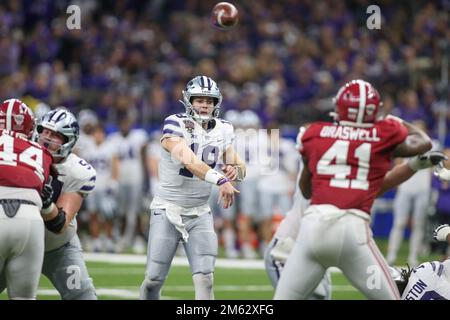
(47, 194)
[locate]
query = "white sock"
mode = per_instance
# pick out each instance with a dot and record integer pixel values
(203, 284)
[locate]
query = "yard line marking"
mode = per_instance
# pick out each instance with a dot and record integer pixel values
(221, 288)
(121, 292)
(335, 288)
(114, 258)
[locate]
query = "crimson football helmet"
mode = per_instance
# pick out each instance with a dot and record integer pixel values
(16, 116)
(357, 103)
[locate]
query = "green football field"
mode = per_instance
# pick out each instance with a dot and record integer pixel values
(122, 281)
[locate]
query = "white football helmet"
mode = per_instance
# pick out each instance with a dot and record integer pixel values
(64, 122)
(201, 86)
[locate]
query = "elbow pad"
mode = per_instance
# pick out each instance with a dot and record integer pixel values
(56, 224)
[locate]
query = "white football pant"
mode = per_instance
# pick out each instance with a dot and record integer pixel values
(403, 203)
(21, 252)
(331, 237)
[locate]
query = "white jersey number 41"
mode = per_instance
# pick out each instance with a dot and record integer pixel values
(340, 170)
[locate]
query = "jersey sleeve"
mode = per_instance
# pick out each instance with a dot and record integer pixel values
(305, 139)
(83, 178)
(393, 132)
(172, 127)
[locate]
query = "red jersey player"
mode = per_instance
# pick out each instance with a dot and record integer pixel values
(345, 164)
(24, 168)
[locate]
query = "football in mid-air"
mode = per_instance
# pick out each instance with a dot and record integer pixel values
(224, 16)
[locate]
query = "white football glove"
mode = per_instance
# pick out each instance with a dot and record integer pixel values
(441, 232)
(426, 160)
(442, 173)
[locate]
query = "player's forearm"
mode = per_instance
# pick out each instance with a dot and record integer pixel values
(191, 162)
(198, 169)
(71, 204)
(182, 153)
(395, 177)
(417, 142)
(49, 213)
(54, 218)
(230, 157)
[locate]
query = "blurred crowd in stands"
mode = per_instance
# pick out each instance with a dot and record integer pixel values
(284, 60)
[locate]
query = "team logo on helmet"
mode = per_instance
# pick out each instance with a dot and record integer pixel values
(357, 103)
(16, 116)
(19, 118)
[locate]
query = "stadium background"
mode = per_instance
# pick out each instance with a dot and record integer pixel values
(285, 61)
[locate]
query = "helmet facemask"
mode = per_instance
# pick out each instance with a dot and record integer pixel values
(201, 86)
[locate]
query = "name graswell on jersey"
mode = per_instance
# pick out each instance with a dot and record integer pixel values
(416, 290)
(350, 133)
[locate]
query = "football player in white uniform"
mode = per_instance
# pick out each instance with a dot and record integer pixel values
(430, 280)
(87, 120)
(193, 142)
(277, 184)
(249, 140)
(279, 248)
(58, 131)
(131, 150)
(102, 203)
(153, 157)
